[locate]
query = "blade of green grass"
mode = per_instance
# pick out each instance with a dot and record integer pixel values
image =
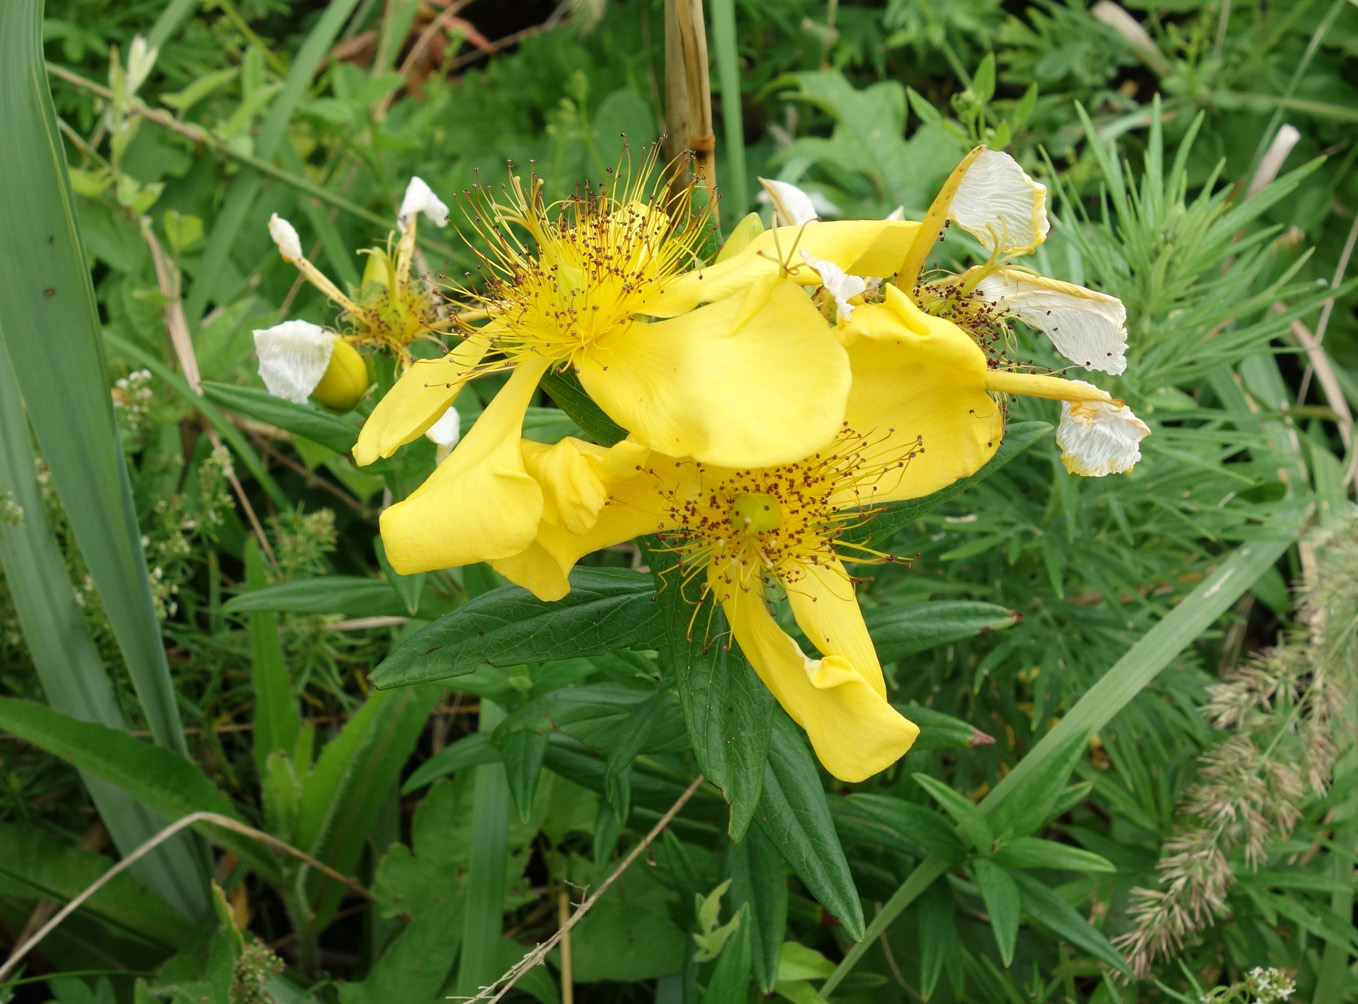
(240, 199)
(1135, 670)
(49, 325)
(728, 83)
(69, 668)
(479, 962)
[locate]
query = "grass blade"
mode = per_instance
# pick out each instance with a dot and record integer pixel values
(49, 326)
(70, 670)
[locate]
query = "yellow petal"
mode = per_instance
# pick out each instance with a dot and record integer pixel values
(638, 503)
(918, 400)
(852, 728)
(823, 602)
(753, 380)
(859, 247)
(577, 477)
(480, 503)
(419, 399)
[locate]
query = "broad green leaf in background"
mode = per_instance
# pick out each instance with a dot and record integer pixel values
(487, 857)
(49, 325)
(728, 710)
(1000, 893)
(159, 778)
(34, 866)
(324, 427)
(759, 882)
(335, 594)
(1051, 911)
(606, 609)
(344, 792)
(796, 820)
(413, 968)
(899, 631)
(730, 982)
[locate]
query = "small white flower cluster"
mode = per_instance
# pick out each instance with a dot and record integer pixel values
(1269, 985)
(132, 398)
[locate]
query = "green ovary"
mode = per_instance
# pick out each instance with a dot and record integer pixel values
(755, 513)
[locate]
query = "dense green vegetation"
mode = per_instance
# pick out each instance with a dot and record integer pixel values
(1137, 767)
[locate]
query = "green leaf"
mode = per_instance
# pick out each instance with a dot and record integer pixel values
(35, 866)
(522, 753)
(276, 719)
(795, 818)
(1053, 912)
(407, 587)
(334, 594)
(728, 710)
(938, 731)
(903, 630)
(327, 429)
(606, 609)
(937, 933)
(1031, 804)
(50, 329)
(796, 962)
(919, 823)
(1018, 437)
(413, 968)
(1001, 896)
(348, 786)
(564, 388)
(157, 777)
(488, 856)
(1034, 852)
(967, 816)
(469, 751)
(730, 981)
(759, 883)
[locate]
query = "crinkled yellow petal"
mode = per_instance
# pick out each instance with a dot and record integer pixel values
(918, 398)
(577, 477)
(639, 502)
(859, 247)
(823, 602)
(480, 503)
(753, 380)
(1000, 205)
(852, 728)
(418, 400)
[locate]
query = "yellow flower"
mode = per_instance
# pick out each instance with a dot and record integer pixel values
(920, 416)
(729, 363)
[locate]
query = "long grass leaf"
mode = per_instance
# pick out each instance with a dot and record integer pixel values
(69, 668)
(49, 325)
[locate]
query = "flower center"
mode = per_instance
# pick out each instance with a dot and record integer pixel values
(755, 514)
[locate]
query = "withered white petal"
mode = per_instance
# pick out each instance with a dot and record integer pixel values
(284, 234)
(842, 287)
(1087, 327)
(420, 198)
(1098, 438)
(793, 206)
(1000, 205)
(293, 357)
